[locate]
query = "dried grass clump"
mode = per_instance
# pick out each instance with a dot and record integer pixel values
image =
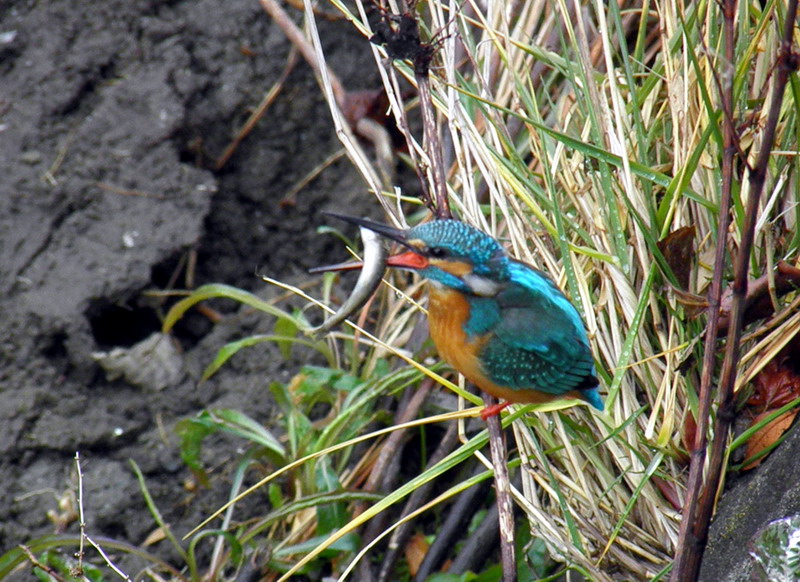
(583, 135)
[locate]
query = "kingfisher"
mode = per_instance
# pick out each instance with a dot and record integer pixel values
(503, 324)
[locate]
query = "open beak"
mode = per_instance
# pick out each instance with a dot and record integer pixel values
(384, 230)
(407, 260)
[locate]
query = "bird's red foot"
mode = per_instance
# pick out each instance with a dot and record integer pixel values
(493, 410)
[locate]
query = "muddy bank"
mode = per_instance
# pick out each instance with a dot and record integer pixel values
(112, 115)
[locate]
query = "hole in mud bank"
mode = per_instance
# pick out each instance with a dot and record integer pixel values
(120, 324)
(54, 346)
(172, 274)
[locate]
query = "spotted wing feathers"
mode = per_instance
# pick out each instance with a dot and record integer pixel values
(538, 339)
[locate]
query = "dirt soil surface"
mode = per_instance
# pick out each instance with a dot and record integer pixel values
(112, 115)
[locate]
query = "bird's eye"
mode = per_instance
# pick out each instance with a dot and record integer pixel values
(437, 252)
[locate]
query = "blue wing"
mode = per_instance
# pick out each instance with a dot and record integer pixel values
(538, 338)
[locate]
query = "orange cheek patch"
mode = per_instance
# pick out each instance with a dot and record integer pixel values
(457, 268)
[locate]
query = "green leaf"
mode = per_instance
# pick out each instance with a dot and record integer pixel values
(445, 577)
(236, 547)
(347, 543)
(219, 291)
(275, 495)
(330, 516)
(191, 432)
(282, 397)
(230, 349)
(286, 328)
(241, 425)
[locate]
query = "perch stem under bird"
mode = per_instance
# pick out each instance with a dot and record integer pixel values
(501, 323)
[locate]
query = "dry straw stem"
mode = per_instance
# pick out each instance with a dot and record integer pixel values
(700, 502)
(581, 153)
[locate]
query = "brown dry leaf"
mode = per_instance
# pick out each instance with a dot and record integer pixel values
(768, 434)
(669, 491)
(694, 304)
(678, 250)
(415, 551)
(153, 537)
(775, 386)
(688, 434)
(779, 382)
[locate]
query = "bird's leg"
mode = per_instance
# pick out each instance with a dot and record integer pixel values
(494, 409)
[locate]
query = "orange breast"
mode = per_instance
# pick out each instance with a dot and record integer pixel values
(448, 311)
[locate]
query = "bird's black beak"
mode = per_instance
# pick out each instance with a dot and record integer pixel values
(408, 260)
(384, 230)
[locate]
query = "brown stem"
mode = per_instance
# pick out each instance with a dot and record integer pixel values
(401, 535)
(502, 485)
(758, 301)
(296, 37)
(391, 448)
(258, 113)
(431, 143)
(701, 497)
(690, 545)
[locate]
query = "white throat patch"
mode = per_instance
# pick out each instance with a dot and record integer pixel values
(481, 285)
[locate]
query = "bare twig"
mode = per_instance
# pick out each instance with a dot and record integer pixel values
(125, 192)
(295, 36)
(701, 497)
(107, 560)
(80, 512)
(259, 112)
(430, 138)
(453, 527)
(384, 471)
(37, 564)
(502, 484)
(399, 35)
(391, 447)
(84, 539)
(415, 500)
(758, 302)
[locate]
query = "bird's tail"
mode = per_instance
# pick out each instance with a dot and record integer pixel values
(589, 392)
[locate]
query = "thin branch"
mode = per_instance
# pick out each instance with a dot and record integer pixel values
(400, 38)
(82, 524)
(299, 41)
(505, 508)
(418, 498)
(430, 139)
(701, 497)
(259, 112)
(43, 567)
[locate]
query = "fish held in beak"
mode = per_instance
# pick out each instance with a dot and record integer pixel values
(411, 259)
(372, 268)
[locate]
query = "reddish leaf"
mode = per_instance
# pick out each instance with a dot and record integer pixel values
(779, 382)
(669, 491)
(689, 432)
(767, 435)
(366, 103)
(775, 386)
(415, 551)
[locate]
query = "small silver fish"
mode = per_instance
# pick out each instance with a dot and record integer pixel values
(372, 268)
